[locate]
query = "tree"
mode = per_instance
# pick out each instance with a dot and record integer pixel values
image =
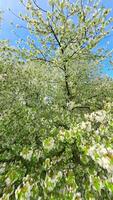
(49, 149)
(64, 38)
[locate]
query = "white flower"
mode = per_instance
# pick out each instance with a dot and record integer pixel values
(91, 152)
(59, 175)
(104, 162)
(2, 168)
(25, 195)
(1, 77)
(37, 154)
(110, 151)
(83, 125)
(27, 154)
(102, 150)
(61, 135)
(50, 183)
(100, 154)
(100, 116)
(48, 144)
(97, 132)
(86, 126)
(77, 196)
(8, 181)
(70, 105)
(29, 6)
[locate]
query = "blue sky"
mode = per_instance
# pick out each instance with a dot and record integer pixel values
(6, 31)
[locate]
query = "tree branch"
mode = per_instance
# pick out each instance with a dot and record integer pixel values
(43, 10)
(55, 36)
(41, 59)
(81, 107)
(66, 83)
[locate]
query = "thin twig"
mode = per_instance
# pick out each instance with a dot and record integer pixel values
(34, 1)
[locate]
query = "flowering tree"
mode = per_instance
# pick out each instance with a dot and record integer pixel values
(63, 38)
(65, 164)
(49, 147)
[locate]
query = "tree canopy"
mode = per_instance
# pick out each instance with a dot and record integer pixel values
(56, 107)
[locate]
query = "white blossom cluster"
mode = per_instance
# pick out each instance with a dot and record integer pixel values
(27, 154)
(103, 156)
(24, 192)
(2, 168)
(50, 182)
(98, 116)
(86, 126)
(48, 144)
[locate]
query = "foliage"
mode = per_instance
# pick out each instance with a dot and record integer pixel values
(56, 119)
(65, 164)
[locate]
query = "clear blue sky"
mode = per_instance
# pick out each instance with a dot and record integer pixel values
(14, 5)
